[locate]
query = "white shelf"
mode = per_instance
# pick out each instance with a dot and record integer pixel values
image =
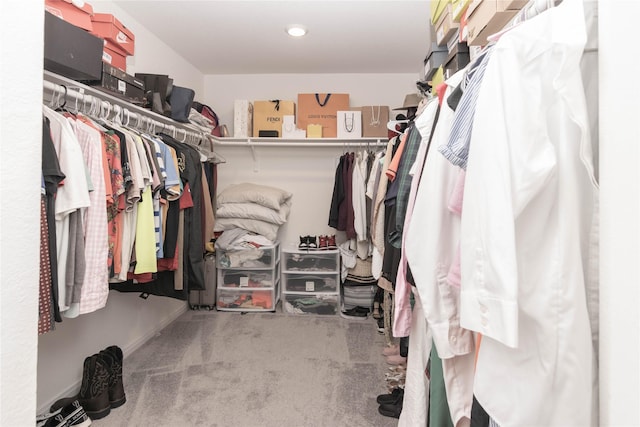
(303, 142)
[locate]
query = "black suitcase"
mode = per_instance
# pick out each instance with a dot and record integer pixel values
(206, 299)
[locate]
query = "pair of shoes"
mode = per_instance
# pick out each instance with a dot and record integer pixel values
(327, 242)
(102, 387)
(355, 313)
(396, 359)
(71, 415)
(308, 243)
(391, 398)
(391, 350)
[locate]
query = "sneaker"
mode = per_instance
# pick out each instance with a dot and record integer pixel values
(331, 242)
(323, 242)
(355, 313)
(72, 415)
(380, 323)
(304, 244)
(312, 243)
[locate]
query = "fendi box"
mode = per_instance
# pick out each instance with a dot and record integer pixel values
(71, 51)
(118, 83)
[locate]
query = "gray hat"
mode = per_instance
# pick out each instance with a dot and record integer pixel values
(410, 101)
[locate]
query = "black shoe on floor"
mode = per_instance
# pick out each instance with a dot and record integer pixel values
(391, 398)
(390, 410)
(71, 415)
(380, 323)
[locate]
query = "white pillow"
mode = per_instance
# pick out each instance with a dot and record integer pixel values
(254, 211)
(263, 195)
(266, 229)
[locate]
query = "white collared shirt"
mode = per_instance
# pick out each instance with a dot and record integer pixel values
(526, 217)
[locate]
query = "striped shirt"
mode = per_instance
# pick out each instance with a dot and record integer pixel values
(457, 148)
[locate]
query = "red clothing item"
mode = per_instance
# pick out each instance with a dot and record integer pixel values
(441, 89)
(395, 160)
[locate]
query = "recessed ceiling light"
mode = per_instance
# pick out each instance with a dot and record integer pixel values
(296, 30)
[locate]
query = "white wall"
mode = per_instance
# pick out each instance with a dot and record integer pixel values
(21, 29)
(127, 321)
(306, 172)
(620, 215)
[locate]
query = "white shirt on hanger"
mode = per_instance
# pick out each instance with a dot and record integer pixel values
(526, 218)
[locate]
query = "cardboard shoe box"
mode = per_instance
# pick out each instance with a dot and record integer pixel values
(436, 57)
(71, 51)
(111, 29)
(487, 17)
(458, 59)
(118, 83)
(446, 27)
(114, 57)
(80, 16)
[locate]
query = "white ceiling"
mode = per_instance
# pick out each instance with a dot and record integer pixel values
(248, 37)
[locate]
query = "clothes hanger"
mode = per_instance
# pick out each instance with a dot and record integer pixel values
(391, 125)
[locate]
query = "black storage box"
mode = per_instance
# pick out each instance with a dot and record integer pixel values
(118, 83)
(435, 58)
(458, 59)
(71, 51)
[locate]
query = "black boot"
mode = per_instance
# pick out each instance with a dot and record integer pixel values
(94, 391)
(113, 356)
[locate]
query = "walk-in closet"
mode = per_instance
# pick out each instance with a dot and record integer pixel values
(470, 257)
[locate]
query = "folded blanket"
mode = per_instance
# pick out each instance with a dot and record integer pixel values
(254, 211)
(263, 195)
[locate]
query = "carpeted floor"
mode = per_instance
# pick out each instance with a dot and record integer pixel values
(227, 369)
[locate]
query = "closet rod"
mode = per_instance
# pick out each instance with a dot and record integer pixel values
(84, 96)
(533, 8)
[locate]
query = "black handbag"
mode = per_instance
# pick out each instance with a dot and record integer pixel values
(158, 88)
(181, 101)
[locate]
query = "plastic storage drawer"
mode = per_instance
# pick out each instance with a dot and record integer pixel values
(238, 278)
(319, 261)
(247, 299)
(264, 257)
(311, 282)
(311, 304)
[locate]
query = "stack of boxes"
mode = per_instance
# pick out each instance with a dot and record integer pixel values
(91, 48)
(119, 41)
(461, 28)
